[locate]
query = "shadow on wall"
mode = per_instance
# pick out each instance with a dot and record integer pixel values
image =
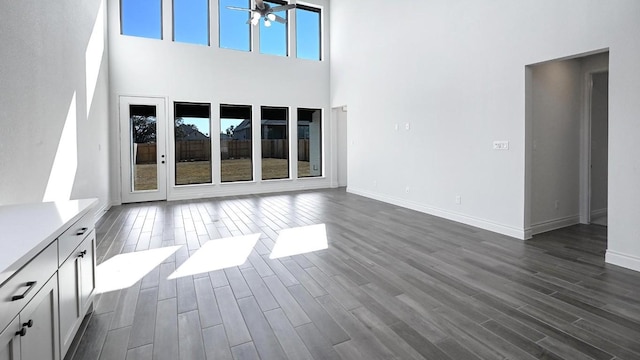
(63, 175)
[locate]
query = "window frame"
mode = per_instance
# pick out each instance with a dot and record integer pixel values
(321, 143)
(175, 147)
(287, 31)
(251, 30)
(173, 24)
(319, 11)
(138, 36)
(252, 150)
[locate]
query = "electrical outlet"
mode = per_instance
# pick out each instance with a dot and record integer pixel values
(406, 189)
(500, 145)
(407, 126)
(556, 204)
(396, 127)
(458, 199)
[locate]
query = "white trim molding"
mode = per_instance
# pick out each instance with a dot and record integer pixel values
(449, 215)
(624, 260)
(554, 224)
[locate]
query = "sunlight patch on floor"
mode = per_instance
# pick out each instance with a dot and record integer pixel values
(300, 240)
(218, 254)
(124, 270)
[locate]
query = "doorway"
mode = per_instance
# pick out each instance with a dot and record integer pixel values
(143, 148)
(566, 142)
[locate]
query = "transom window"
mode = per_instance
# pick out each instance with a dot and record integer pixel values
(141, 18)
(308, 33)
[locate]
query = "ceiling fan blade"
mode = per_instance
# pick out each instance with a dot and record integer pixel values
(260, 4)
(283, 7)
(280, 19)
(238, 8)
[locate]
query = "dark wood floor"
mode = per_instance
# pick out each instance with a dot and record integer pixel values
(393, 284)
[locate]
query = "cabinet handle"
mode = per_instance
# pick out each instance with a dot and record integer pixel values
(31, 285)
(28, 323)
(22, 331)
(82, 231)
(82, 253)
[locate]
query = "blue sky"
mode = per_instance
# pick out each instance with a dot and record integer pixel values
(191, 25)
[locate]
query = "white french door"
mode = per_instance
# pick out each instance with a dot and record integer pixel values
(143, 142)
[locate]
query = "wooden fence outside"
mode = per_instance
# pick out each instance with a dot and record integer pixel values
(200, 150)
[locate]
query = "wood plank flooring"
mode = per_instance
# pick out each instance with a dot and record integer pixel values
(393, 284)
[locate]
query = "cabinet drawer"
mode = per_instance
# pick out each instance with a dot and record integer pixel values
(70, 239)
(18, 290)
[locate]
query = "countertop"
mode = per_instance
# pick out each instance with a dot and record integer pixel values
(27, 229)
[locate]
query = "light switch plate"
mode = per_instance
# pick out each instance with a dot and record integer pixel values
(500, 145)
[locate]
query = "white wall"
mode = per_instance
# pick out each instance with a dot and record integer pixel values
(456, 71)
(53, 109)
(556, 130)
(208, 74)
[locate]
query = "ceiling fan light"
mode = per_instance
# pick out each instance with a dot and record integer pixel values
(267, 23)
(254, 21)
(255, 16)
(271, 17)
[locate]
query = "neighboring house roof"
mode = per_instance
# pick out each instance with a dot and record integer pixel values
(191, 133)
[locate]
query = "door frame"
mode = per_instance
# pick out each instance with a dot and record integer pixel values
(585, 147)
(128, 195)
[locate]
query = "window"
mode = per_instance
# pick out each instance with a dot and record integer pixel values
(309, 143)
(308, 29)
(141, 18)
(235, 32)
(275, 143)
(193, 143)
(273, 38)
(236, 146)
(191, 21)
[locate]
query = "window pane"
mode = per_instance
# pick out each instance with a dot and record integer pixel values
(193, 144)
(308, 33)
(309, 143)
(275, 143)
(236, 146)
(144, 166)
(141, 18)
(273, 39)
(234, 30)
(191, 21)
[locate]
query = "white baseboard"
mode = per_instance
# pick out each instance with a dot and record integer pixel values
(449, 215)
(624, 260)
(554, 224)
(599, 212)
(100, 212)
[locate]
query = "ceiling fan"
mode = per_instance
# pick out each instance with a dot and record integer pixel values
(264, 10)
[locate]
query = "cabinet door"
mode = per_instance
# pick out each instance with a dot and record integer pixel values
(10, 341)
(87, 271)
(69, 295)
(41, 341)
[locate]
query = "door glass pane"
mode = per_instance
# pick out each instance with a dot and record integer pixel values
(275, 143)
(144, 165)
(236, 146)
(309, 142)
(193, 144)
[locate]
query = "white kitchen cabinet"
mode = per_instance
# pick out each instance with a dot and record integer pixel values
(39, 320)
(10, 341)
(47, 277)
(76, 279)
